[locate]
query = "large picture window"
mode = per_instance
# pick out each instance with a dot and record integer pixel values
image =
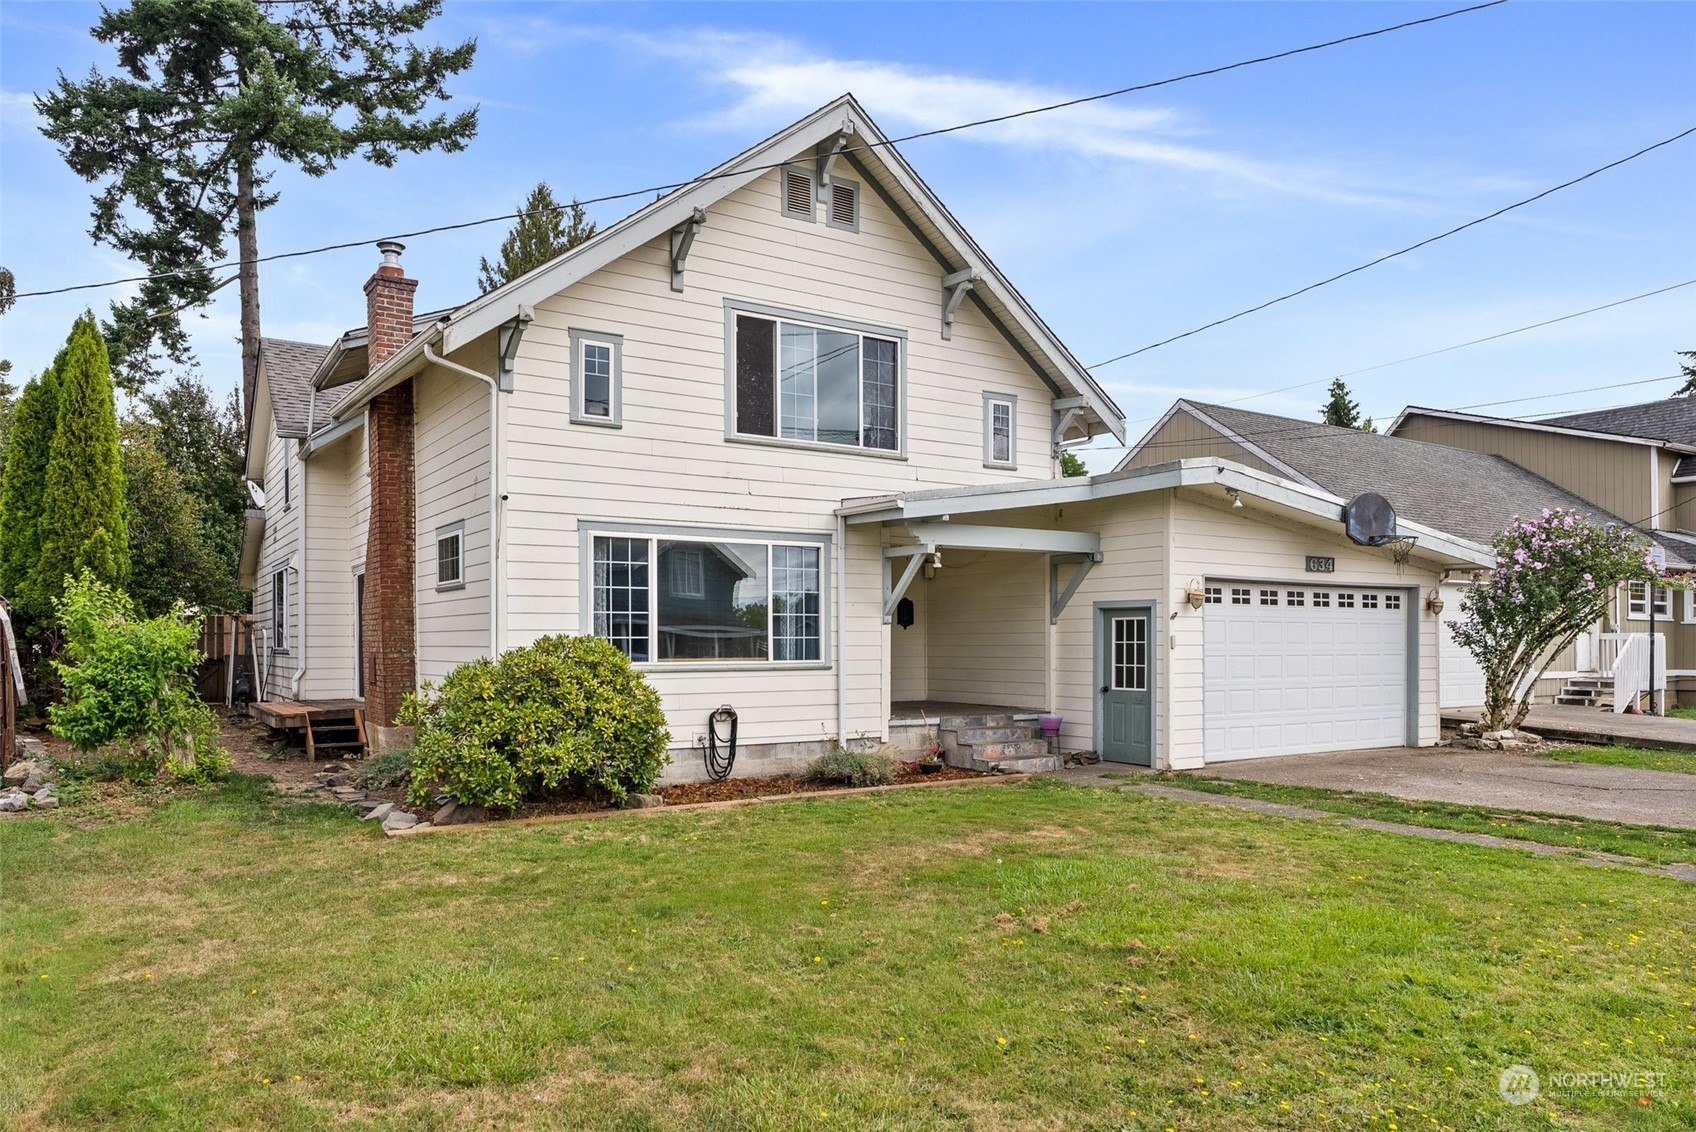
(709, 600)
(816, 384)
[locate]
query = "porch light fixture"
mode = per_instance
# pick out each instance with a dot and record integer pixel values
(1434, 603)
(1195, 594)
(1236, 500)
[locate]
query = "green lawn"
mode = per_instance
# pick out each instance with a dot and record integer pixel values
(1681, 713)
(1684, 762)
(1012, 957)
(1655, 844)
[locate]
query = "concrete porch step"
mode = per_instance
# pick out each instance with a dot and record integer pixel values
(1029, 764)
(975, 722)
(1010, 749)
(973, 736)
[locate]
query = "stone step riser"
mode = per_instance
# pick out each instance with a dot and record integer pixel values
(973, 736)
(1018, 749)
(970, 722)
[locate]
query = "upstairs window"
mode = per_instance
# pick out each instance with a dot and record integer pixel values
(597, 378)
(816, 384)
(1000, 412)
(1637, 601)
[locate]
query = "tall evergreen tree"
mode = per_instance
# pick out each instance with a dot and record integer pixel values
(203, 445)
(1340, 409)
(545, 229)
(23, 486)
(1688, 370)
(83, 523)
(170, 558)
(209, 94)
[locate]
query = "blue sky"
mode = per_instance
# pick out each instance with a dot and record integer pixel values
(1123, 222)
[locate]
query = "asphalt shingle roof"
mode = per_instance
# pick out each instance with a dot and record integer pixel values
(1672, 419)
(289, 367)
(1470, 494)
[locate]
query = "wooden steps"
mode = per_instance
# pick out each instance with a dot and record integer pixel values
(324, 725)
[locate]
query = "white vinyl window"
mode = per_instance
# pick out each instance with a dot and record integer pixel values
(597, 378)
(450, 557)
(814, 383)
(1637, 601)
(1690, 607)
(1000, 438)
(280, 610)
(720, 600)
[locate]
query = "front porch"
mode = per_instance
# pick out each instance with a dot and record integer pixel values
(984, 737)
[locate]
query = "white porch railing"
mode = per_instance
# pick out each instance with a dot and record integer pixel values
(1631, 668)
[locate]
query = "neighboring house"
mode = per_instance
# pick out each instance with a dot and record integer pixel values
(1470, 495)
(1636, 461)
(789, 439)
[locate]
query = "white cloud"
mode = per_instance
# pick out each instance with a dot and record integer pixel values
(17, 113)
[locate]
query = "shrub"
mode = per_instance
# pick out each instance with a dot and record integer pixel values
(564, 715)
(391, 768)
(129, 682)
(856, 768)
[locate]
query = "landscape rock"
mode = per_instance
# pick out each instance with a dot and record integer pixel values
(45, 801)
(643, 801)
(444, 815)
(379, 812)
(1490, 744)
(463, 815)
(1510, 744)
(30, 785)
(1469, 729)
(19, 771)
(13, 803)
(1499, 735)
(399, 819)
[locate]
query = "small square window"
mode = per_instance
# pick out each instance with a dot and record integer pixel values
(1345, 601)
(1392, 601)
(797, 191)
(1369, 601)
(1322, 599)
(1215, 595)
(1295, 597)
(1240, 596)
(1268, 597)
(597, 378)
(450, 557)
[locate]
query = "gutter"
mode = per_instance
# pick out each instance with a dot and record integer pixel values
(839, 634)
(300, 587)
(430, 356)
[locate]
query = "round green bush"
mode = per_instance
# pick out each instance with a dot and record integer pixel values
(566, 715)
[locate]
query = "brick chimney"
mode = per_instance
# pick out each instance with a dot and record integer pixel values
(391, 534)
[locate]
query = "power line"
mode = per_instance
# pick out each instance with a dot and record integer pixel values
(1568, 393)
(858, 147)
(1392, 255)
(1458, 346)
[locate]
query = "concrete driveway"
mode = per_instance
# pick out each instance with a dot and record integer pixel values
(1486, 778)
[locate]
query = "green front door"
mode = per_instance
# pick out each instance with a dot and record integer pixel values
(1127, 705)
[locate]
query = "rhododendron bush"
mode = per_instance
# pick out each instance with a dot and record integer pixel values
(1554, 578)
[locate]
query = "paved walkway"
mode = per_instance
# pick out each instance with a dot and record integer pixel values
(1486, 778)
(1593, 725)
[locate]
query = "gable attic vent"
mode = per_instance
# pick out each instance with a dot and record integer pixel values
(844, 205)
(798, 193)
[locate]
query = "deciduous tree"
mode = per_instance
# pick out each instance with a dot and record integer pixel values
(1554, 578)
(544, 230)
(209, 96)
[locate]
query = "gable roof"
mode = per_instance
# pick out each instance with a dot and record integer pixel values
(289, 367)
(1672, 419)
(1470, 494)
(885, 172)
(1555, 425)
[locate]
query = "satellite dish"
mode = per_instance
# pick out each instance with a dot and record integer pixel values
(1370, 520)
(257, 494)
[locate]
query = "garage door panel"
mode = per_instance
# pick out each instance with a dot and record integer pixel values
(1285, 678)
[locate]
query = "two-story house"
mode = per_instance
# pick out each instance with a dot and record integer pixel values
(1637, 462)
(789, 439)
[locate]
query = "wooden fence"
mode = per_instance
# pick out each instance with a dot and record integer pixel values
(12, 692)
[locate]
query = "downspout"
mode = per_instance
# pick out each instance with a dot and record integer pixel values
(434, 358)
(841, 630)
(305, 563)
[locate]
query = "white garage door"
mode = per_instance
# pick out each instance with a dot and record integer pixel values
(1460, 682)
(1291, 669)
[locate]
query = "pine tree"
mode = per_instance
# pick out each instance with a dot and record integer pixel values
(544, 230)
(1340, 410)
(83, 523)
(207, 94)
(23, 486)
(1688, 371)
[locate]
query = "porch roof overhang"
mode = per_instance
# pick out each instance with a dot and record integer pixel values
(1300, 502)
(1081, 549)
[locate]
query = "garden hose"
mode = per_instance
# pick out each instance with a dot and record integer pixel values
(718, 765)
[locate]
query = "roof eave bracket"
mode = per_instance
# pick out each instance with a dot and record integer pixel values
(894, 589)
(511, 334)
(954, 288)
(1066, 415)
(1059, 597)
(833, 149)
(682, 238)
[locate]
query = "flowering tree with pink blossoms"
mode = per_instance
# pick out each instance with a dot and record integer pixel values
(1554, 578)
